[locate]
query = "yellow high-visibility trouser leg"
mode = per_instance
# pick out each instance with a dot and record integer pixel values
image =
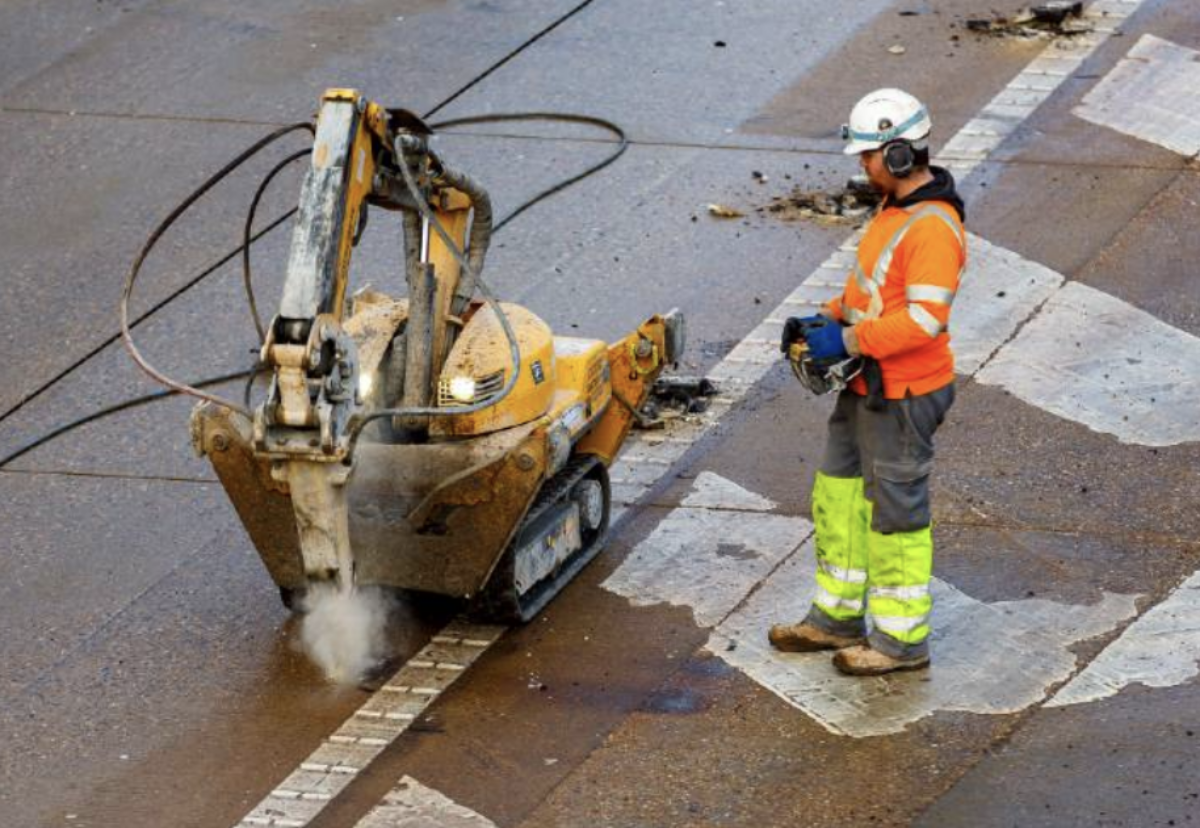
(842, 517)
(900, 564)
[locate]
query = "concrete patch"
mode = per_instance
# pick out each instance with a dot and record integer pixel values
(412, 805)
(987, 658)
(999, 291)
(708, 557)
(1160, 649)
(1150, 94)
(1094, 359)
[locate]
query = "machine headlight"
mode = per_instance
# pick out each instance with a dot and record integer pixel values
(462, 389)
(465, 390)
(365, 383)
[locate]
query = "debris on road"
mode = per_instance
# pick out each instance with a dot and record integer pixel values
(1052, 19)
(724, 212)
(675, 397)
(897, 49)
(850, 205)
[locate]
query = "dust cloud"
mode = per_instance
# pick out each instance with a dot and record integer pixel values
(343, 631)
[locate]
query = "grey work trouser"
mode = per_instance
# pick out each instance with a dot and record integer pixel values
(892, 450)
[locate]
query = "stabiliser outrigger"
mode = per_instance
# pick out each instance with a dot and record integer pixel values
(438, 442)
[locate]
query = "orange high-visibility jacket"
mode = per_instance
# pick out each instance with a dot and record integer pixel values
(898, 297)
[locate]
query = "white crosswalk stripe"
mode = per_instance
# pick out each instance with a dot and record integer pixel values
(413, 805)
(1159, 649)
(1151, 95)
(1094, 359)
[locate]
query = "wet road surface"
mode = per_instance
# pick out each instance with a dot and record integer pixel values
(151, 676)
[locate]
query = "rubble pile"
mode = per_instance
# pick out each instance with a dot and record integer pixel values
(850, 205)
(1053, 19)
(675, 398)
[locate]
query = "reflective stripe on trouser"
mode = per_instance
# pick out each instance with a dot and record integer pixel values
(842, 518)
(900, 564)
(891, 452)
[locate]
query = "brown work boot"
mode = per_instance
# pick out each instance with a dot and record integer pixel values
(863, 661)
(807, 637)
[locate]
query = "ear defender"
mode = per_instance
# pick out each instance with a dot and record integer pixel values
(899, 158)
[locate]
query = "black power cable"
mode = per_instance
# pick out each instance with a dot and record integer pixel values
(563, 117)
(248, 239)
(501, 117)
(162, 228)
(113, 409)
(138, 320)
(54, 380)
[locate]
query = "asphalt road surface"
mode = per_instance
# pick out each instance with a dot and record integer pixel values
(151, 677)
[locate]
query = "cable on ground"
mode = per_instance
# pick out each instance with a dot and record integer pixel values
(249, 239)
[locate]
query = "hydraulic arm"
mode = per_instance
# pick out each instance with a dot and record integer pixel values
(306, 422)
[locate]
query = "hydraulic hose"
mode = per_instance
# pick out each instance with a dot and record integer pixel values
(246, 236)
(479, 240)
(162, 228)
(514, 351)
(563, 117)
(469, 272)
(115, 408)
(412, 223)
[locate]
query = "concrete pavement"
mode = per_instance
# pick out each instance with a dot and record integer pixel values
(150, 675)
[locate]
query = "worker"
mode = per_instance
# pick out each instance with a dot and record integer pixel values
(870, 502)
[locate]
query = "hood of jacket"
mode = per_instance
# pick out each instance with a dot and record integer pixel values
(940, 189)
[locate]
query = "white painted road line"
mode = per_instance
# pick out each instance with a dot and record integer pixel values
(1151, 95)
(1082, 354)
(987, 658)
(1094, 359)
(720, 546)
(998, 292)
(413, 805)
(383, 717)
(1160, 649)
(711, 491)
(708, 557)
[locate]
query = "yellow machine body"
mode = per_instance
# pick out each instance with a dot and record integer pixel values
(465, 490)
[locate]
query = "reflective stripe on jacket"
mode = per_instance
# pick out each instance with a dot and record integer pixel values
(899, 296)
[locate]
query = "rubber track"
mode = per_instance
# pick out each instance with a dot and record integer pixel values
(499, 600)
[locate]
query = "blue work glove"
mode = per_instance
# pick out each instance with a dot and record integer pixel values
(826, 343)
(797, 328)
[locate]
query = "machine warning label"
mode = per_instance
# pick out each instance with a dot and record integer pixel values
(539, 376)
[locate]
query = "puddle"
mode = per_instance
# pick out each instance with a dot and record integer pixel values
(675, 701)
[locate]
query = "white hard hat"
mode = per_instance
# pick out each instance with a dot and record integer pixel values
(882, 116)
